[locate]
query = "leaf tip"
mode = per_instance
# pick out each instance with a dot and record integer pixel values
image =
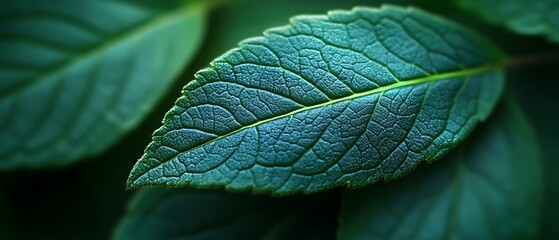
(130, 187)
(130, 182)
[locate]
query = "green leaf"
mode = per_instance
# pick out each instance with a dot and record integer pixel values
(528, 17)
(203, 214)
(345, 99)
(490, 187)
(77, 75)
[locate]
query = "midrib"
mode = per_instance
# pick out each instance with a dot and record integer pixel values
(400, 84)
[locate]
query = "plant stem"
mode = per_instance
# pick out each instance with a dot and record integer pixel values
(531, 59)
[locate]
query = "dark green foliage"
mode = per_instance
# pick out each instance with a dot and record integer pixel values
(541, 109)
(77, 76)
(203, 214)
(530, 17)
(74, 81)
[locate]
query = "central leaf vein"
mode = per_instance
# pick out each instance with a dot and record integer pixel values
(400, 84)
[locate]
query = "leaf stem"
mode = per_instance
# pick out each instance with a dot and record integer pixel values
(532, 59)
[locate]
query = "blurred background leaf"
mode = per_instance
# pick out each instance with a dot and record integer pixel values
(241, 19)
(158, 213)
(530, 17)
(535, 87)
(77, 75)
(83, 201)
(490, 187)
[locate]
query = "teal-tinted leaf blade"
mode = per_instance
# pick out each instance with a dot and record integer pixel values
(324, 102)
(522, 16)
(203, 214)
(73, 82)
(489, 187)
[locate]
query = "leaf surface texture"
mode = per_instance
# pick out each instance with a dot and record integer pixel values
(344, 99)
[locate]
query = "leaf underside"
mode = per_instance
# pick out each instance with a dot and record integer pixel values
(344, 99)
(77, 75)
(473, 193)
